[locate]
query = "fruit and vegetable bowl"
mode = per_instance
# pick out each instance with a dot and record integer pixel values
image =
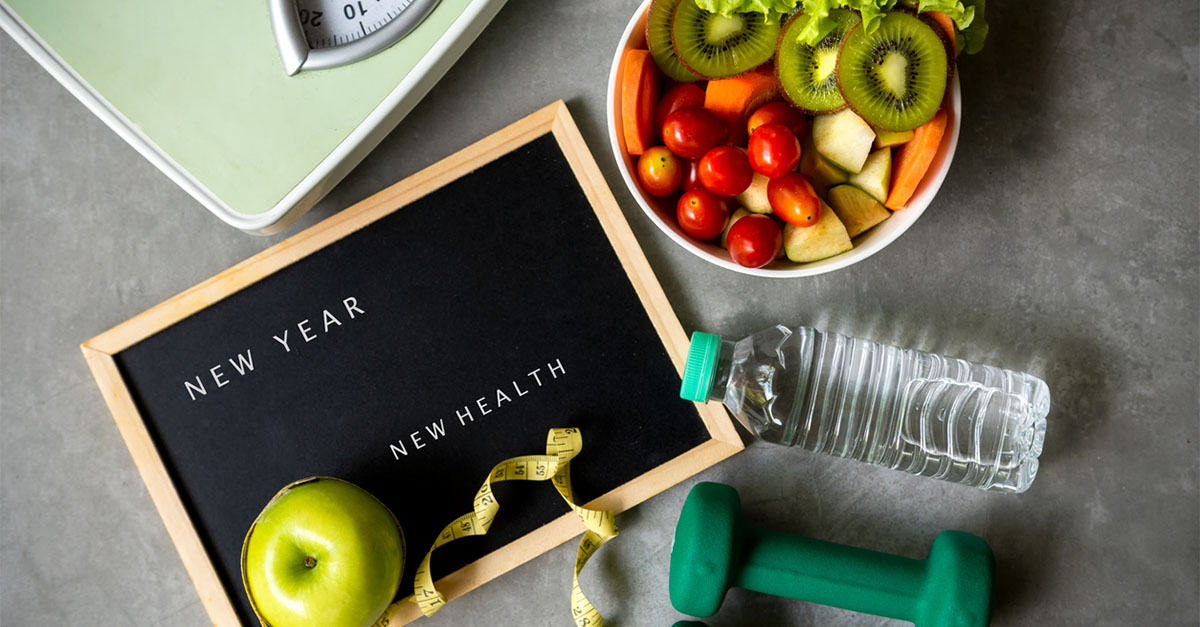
(788, 144)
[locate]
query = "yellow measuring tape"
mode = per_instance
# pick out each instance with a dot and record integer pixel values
(561, 446)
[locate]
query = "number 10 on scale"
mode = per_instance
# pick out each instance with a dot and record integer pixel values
(329, 23)
(320, 34)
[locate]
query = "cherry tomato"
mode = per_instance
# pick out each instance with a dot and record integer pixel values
(691, 175)
(691, 131)
(659, 171)
(778, 113)
(773, 150)
(754, 241)
(729, 204)
(725, 171)
(678, 97)
(701, 214)
(793, 199)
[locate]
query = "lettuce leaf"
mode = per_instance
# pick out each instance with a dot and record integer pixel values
(772, 10)
(818, 25)
(871, 11)
(966, 14)
(968, 19)
(962, 15)
(976, 33)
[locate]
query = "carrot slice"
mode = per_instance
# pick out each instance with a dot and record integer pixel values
(947, 25)
(639, 95)
(734, 99)
(912, 160)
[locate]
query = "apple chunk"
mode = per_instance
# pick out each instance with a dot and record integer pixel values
(819, 171)
(754, 199)
(824, 239)
(887, 139)
(857, 210)
(323, 552)
(844, 138)
(876, 176)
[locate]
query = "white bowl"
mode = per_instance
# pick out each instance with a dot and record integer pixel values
(663, 212)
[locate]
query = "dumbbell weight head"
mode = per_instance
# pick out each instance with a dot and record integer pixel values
(958, 582)
(707, 545)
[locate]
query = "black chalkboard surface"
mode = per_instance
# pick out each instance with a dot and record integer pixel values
(407, 346)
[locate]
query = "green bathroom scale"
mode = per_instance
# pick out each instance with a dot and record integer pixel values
(255, 108)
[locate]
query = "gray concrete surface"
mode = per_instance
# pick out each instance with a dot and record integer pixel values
(1065, 242)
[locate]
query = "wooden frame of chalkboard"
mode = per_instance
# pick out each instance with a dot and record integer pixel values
(102, 354)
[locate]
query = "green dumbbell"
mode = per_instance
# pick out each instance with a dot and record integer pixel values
(715, 551)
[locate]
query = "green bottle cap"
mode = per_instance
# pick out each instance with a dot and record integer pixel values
(701, 364)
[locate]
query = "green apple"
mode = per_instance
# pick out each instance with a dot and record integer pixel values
(824, 239)
(876, 176)
(857, 210)
(323, 553)
(844, 138)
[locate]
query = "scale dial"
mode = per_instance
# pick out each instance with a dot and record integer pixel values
(319, 34)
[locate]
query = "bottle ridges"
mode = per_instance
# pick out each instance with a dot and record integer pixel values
(904, 409)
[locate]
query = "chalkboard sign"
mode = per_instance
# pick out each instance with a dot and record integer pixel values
(407, 344)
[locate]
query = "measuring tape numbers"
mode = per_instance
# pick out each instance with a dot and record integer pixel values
(562, 445)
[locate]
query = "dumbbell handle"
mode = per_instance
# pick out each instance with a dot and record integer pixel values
(848, 577)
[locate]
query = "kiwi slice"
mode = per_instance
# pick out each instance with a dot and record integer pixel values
(714, 46)
(658, 39)
(895, 77)
(807, 73)
(947, 43)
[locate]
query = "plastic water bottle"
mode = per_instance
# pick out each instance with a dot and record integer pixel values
(921, 413)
